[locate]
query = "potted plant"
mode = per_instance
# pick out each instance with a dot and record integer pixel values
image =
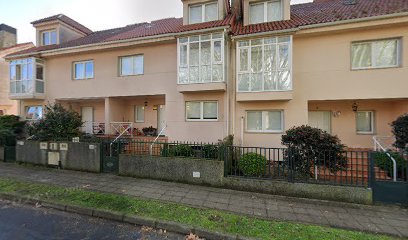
(149, 131)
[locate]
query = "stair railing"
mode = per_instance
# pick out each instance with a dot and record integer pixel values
(379, 147)
(155, 140)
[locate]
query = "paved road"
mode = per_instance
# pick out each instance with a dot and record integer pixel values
(377, 219)
(22, 222)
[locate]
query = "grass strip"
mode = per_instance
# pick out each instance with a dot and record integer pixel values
(211, 220)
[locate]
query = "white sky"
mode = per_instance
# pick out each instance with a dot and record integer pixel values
(94, 14)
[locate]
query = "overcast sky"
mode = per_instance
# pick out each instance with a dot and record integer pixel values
(94, 14)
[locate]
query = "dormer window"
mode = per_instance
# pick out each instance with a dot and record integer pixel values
(203, 13)
(49, 37)
(267, 11)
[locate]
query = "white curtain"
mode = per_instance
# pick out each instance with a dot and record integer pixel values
(361, 55)
(196, 14)
(211, 12)
(274, 11)
(385, 53)
(254, 121)
(210, 110)
(193, 110)
(256, 13)
(364, 122)
(243, 82)
(273, 120)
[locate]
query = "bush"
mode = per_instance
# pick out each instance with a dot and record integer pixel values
(181, 150)
(400, 131)
(11, 129)
(384, 163)
(307, 145)
(210, 151)
(57, 123)
(252, 164)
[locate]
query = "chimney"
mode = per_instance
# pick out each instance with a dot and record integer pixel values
(8, 36)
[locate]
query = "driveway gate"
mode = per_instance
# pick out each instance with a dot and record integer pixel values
(9, 153)
(385, 189)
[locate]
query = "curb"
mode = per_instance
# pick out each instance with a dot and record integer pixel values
(124, 218)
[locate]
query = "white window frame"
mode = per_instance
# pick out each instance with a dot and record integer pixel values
(29, 62)
(133, 65)
(264, 113)
(265, 10)
(201, 112)
(136, 113)
(203, 13)
(372, 113)
(35, 106)
(83, 63)
(48, 32)
(399, 54)
(248, 71)
(213, 62)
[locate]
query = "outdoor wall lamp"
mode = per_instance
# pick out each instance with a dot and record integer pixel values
(354, 107)
(145, 103)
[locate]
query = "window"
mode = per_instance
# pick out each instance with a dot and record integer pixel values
(265, 12)
(365, 122)
(34, 112)
(49, 37)
(201, 59)
(265, 121)
(264, 65)
(27, 76)
(83, 70)
(375, 54)
(139, 114)
(202, 111)
(132, 65)
(203, 13)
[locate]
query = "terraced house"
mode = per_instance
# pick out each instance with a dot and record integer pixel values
(251, 68)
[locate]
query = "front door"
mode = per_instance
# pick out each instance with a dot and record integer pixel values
(87, 118)
(161, 122)
(320, 119)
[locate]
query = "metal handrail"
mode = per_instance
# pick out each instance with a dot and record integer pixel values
(117, 138)
(394, 162)
(155, 140)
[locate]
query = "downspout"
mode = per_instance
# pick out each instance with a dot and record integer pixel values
(227, 62)
(233, 81)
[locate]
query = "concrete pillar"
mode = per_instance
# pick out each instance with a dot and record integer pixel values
(107, 116)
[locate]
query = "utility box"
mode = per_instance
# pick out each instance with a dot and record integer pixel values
(53, 158)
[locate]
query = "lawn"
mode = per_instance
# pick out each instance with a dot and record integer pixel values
(212, 220)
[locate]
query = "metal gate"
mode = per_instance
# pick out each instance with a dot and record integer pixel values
(385, 188)
(9, 153)
(110, 156)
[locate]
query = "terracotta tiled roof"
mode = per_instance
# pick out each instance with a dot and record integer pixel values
(17, 45)
(325, 11)
(67, 20)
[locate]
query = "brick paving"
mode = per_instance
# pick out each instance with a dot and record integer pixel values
(377, 219)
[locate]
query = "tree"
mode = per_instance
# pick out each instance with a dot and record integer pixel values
(400, 131)
(57, 123)
(308, 146)
(11, 129)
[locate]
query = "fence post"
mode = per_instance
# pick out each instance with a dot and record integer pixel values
(291, 164)
(371, 169)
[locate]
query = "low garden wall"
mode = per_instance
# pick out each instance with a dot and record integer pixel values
(72, 156)
(196, 171)
(212, 173)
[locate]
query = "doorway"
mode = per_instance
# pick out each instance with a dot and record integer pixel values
(87, 114)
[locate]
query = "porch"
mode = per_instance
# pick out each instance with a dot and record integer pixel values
(136, 117)
(357, 122)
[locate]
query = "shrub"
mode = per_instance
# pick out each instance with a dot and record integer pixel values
(400, 131)
(181, 150)
(57, 123)
(11, 129)
(307, 145)
(252, 164)
(210, 151)
(384, 163)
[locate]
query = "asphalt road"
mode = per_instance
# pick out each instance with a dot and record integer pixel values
(18, 222)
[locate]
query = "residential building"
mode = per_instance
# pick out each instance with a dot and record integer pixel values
(251, 68)
(8, 45)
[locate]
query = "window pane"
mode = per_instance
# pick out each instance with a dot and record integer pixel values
(126, 66)
(79, 71)
(217, 73)
(361, 55)
(13, 87)
(256, 59)
(138, 64)
(196, 14)
(256, 13)
(183, 75)
(385, 53)
(211, 12)
(193, 110)
(13, 72)
(283, 56)
(89, 70)
(46, 38)
(217, 51)
(364, 122)
(269, 81)
(53, 37)
(206, 53)
(270, 58)
(273, 121)
(256, 82)
(243, 43)
(194, 75)
(34, 112)
(254, 121)
(243, 59)
(18, 72)
(40, 72)
(24, 71)
(140, 111)
(194, 54)
(274, 11)
(183, 55)
(39, 86)
(206, 74)
(283, 81)
(210, 110)
(243, 82)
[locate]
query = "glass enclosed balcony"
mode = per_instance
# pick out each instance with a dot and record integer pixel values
(27, 79)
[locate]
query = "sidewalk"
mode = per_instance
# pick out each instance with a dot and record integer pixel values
(377, 219)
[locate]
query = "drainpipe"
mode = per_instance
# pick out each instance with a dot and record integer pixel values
(242, 131)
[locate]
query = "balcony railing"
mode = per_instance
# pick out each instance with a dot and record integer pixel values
(98, 128)
(122, 128)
